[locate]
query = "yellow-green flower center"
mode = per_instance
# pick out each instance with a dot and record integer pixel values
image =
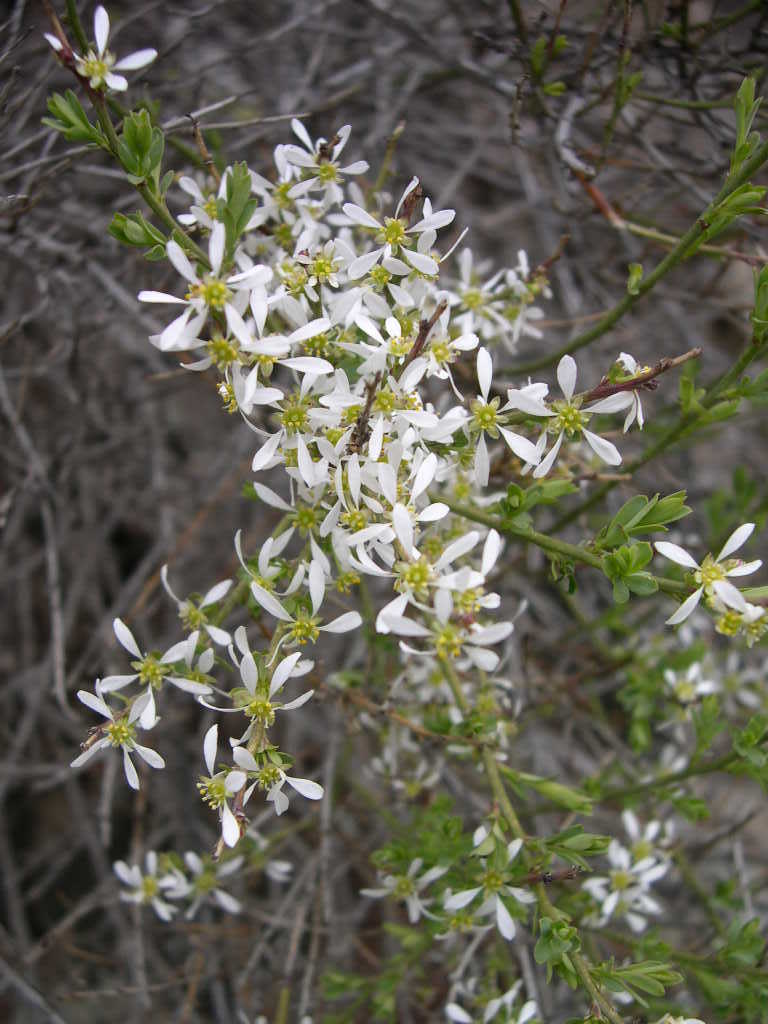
(485, 415)
(121, 732)
(213, 292)
(569, 418)
(304, 629)
(393, 233)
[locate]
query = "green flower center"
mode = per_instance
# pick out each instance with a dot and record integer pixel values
(221, 351)
(304, 629)
(485, 415)
(569, 418)
(294, 416)
(393, 233)
(380, 277)
(261, 711)
(473, 298)
(151, 671)
(121, 732)
(213, 292)
(327, 173)
(213, 791)
(149, 888)
(448, 641)
(620, 880)
(404, 886)
(305, 519)
(492, 880)
(268, 776)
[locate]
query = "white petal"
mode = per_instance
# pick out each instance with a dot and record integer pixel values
(297, 702)
(216, 593)
(230, 830)
(86, 755)
(316, 585)
(210, 744)
(686, 608)
(216, 246)
(360, 216)
(736, 540)
(675, 554)
(344, 623)
(269, 603)
(136, 60)
(608, 452)
(460, 899)
(566, 375)
(504, 920)
(130, 772)
(94, 703)
(484, 371)
(521, 446)
(179, 260)
(401, 521)
(100, 28)
(153, 759)
(729, 595)
(424, 264)
(283, 672)
(126, 638)
(308, 789)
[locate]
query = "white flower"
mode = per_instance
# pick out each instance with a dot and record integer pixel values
(485, 418)
(147, 887)
(192, 614)
(624, 399)
(712, 572)
(98, 65)
(154, 671)
(121, 732)
(567, 419)
(625, 890)
(205, 294)
(305, 787)
(493, 904)
(219, 787)
(408, 887)
(393, 233)
(306, 626)
(319, 161)
(203, 885)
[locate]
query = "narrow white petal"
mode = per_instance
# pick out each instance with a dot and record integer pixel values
(100, 28)
(736, 540)
(566, 376)
(360, 216)
(230, 830)
(308, 789)
(344, 623)
(136, 60)
(460, 899)
(130, 772)
(216, 246)
(504, 920)
(153, 759)
(521, 446)
(126, 638)
(608, 452)
(210, 743)
(675, 554)
(686, 608)
(269, 603)
(180, 262)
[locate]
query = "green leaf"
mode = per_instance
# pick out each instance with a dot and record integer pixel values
(69, 118)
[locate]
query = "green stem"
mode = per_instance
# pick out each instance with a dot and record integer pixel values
(76, 25)
(581, 964)
(671, 260)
